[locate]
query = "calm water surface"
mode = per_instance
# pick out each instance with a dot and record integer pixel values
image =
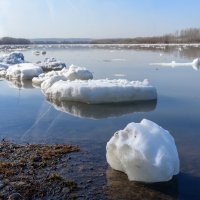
(27, 117)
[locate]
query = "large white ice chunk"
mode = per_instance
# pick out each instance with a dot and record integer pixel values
(52, 64)
(101, 91)
(144, 151)
(12, 58)
(23, 71)
(71, 73)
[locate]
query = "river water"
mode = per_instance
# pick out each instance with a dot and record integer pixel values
(26, 116)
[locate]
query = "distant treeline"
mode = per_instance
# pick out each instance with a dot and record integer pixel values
(191, 35)
(9, 40)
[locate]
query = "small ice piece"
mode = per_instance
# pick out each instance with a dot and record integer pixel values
(144, 151)
(76, 72)
(195, 64)
(119, 75)
(44, 52)
(101, 91)
(52, 64)
(23, 71)
(37, 53)
(12, 58)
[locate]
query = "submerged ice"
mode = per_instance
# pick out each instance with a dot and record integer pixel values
(99, 91)
(144, 151)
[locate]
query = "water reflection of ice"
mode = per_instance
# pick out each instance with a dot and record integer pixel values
(20, 84)
(119, 187)
(104, 110)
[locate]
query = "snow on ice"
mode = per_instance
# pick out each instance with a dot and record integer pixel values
(99, 91)
(144, 151)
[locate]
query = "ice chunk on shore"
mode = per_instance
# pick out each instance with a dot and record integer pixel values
(23, 71)
(71, 73)
(12, 58)
(195, 64)
(101, 91)
(144, 151)
(52, 64)
(101, 111)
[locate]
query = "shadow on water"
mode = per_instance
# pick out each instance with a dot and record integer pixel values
(101, 111)
(119, 187)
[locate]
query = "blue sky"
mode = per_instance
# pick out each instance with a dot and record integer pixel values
(96, 18)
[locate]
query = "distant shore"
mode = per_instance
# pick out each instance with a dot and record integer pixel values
(191, 36)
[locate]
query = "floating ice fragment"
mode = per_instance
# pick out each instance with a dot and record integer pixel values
(52, 64)
(12, 58)
(144, 151)
(100, 91)
(195, 64)
(119, 75)
(23, 71)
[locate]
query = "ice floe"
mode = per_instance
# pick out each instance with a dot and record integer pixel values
(83, 110)
(100, 91)
(195, 64)
(71, 73)
(51, 64)
(144, 151)
(23, 71)
(12, 58)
